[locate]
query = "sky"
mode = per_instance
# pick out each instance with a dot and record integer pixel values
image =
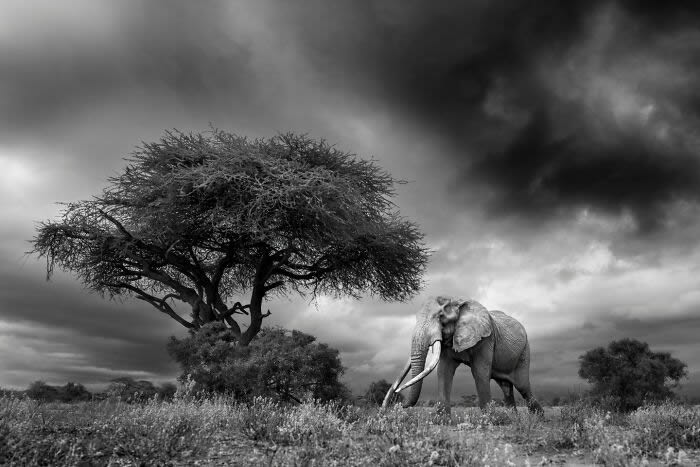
(551, 148)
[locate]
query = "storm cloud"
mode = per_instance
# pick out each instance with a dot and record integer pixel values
(542, 108)
(546, 106)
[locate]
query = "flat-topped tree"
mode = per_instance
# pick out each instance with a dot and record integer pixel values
(205, 219)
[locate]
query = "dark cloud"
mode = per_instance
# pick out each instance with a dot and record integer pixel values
(178, 50)
(542, 106)
(548, 106)
(79, 332)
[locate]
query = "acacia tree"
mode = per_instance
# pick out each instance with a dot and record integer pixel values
(628, 372)
(206, 219)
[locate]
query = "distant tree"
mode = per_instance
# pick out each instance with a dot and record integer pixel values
(627, 373)
(556, 401)
(71, 392)
(200, 219)
(74, 392)
(287, 365)
(377, 391)
(128, 389)
(9, 393)
(166, 391)
(43, 392)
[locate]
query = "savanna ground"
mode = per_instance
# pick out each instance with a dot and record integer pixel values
(222, 432)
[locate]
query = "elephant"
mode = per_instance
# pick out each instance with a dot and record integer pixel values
(456, 331)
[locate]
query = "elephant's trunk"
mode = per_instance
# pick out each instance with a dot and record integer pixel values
(425, 337)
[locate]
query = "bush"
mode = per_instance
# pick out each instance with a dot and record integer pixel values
(627, 374)
(71, 392)
(664, 425)
(279, 364)
(42, 392)
(377, 391)
(166, 391)
(580, 426)
(74, 392)
(127, 389)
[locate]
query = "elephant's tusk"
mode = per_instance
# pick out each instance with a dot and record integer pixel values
(434, 359)
(393, 387)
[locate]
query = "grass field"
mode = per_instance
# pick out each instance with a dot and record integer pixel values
(221, 432)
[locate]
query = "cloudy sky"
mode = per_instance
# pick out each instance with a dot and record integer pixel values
(552, 150)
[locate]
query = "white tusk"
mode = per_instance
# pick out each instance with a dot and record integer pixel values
(393, 387)
(434, 359)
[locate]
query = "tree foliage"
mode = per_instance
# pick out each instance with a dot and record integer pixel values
(128, 389)
(166, 391)
(70, 392)
(205, 219)
(627, 373)
(377, 390)
(286, 365)
(40, 391)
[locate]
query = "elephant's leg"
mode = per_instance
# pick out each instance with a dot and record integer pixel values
(482, 380)
(522, 384)
(508, 395)
(446, 372)
(481, 365)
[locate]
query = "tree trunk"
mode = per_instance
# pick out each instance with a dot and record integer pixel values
(205, 312)
(256, 316)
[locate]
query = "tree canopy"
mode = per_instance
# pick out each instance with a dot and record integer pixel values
(206, 219)
(71, 392)
(628, 372)
(128, 389)
(286, 365)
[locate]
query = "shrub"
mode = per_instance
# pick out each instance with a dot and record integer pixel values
(311, 422)
(74, 392)
(669, 424)
(279, 364)
(258, 420)
(377, 391)
(42, 392)
(166, 391)
(71, 392)
(129, 390)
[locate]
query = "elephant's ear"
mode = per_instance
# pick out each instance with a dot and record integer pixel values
(472, 325)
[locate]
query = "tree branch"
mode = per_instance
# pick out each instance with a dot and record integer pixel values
(162, 277)
(118, 224)
(236, 308)
(159, 303)
(294, 275)
(274, 285)
(169, 249)
(193, 273)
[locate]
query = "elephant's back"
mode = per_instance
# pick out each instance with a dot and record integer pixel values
(512, 335)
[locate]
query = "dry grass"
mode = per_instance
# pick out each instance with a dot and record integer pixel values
(189, 431)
